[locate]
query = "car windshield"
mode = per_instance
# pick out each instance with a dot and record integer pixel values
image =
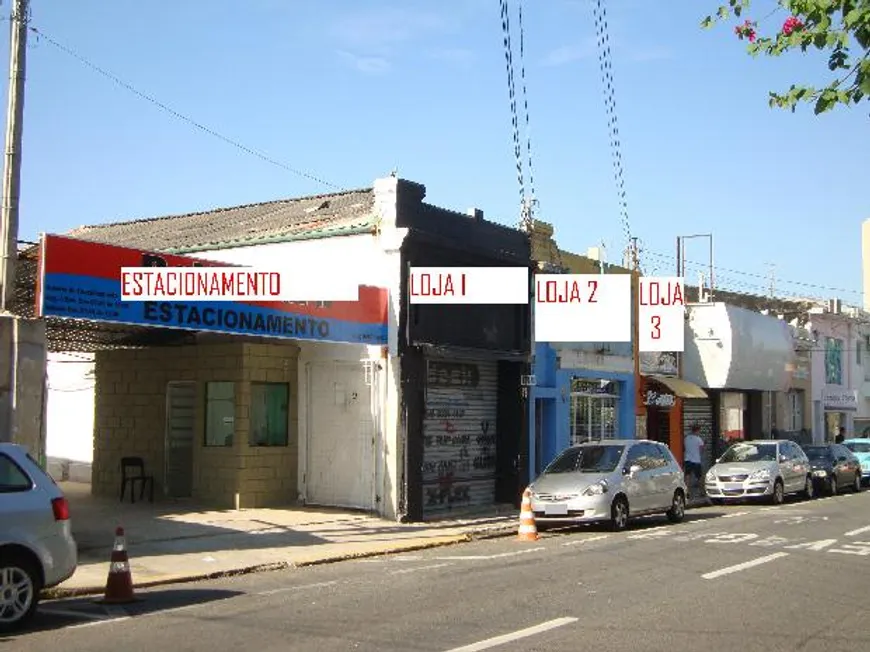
(858, 446)
(750, 453)
(587, 459)
(818, 452)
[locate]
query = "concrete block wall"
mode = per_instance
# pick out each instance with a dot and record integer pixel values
(130, 420)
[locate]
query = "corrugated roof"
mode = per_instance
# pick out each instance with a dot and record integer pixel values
(340, 213)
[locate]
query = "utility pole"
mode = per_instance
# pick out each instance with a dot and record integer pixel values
(772, 287)
(634, 259)
(12, 169)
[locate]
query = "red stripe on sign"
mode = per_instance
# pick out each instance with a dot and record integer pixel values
(64, 255)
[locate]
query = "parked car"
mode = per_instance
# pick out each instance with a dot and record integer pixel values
(610, 481)
(769, 469)
(834, 466)
(860, 447)
(37, 549)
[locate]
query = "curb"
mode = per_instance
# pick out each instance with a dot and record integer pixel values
(87, 591)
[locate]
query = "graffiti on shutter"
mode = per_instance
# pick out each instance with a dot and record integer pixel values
(459, 436)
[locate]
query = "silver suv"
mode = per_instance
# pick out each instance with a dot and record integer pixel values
(610, 480)
(37, 549)
(769, 469)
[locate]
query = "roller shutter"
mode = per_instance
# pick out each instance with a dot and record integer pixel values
(700, 411)
(459, 437)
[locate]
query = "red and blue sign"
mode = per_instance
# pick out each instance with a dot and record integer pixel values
(82, 280)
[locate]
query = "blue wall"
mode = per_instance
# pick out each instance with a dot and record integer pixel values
(555, 413)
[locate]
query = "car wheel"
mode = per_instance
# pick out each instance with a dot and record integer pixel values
(809, 491)
(678, 507)
(619, 514)
(833, 489)
(19, 592)
(778, 495)
(857, 485)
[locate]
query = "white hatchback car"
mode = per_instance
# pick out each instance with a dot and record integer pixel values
(37, 549)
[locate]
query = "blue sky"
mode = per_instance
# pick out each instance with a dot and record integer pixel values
(348, 90)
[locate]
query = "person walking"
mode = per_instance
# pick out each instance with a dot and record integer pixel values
(693, 445)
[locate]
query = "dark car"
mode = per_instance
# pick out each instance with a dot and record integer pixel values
(834, 466)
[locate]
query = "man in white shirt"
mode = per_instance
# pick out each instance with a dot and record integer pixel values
(693, 444)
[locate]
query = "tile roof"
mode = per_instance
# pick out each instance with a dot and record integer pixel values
(315, 216)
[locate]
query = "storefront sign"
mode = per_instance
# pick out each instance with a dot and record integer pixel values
(653, 398)
(844, 400)
(82, 280)
(659, 364)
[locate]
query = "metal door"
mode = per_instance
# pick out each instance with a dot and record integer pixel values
(180, 428)
(700, 412)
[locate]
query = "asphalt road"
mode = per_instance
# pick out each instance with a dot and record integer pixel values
(778, 579)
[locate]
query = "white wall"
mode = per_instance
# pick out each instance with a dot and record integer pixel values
(846, 329)
(70, 408)
(731, 347)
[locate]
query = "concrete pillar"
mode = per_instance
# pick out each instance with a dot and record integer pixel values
(22, 383)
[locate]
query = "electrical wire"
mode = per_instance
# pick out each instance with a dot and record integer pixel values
(533, 197)
(512, 96)
(605, 61)
(176, 114)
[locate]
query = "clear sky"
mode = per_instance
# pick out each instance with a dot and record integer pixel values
(348, 90)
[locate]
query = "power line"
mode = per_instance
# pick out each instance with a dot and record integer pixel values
(176, 114)
(765, 277)
(533, 198)
(512, 96)
(606, 63)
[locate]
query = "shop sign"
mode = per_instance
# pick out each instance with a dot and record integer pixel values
(846, 400)
(653, 398)
(660, 364)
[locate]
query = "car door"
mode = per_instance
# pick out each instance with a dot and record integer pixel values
(637, 485)
(666, 476)
(800, 465)
(787, 466)
(22, 517)
(847, 466)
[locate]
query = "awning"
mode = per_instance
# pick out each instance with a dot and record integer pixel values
(680, 388)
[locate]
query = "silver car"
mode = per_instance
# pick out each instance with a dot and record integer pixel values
(767, 469)
(610, 481)
(37, 549)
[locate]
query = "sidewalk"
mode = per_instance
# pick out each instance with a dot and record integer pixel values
(182, 542)
(170, 543)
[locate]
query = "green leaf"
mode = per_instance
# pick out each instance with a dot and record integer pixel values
(854, 17)
(738, 10)
(843, 97)
(707, 23)
(820, 40)
(723, 12)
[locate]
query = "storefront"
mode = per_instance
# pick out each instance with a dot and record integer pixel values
(840, 407)
(582, 392)
(735, 355)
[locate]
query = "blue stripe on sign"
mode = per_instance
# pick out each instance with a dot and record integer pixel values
(85, 297)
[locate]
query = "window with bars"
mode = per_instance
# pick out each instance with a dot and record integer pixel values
(594, 411)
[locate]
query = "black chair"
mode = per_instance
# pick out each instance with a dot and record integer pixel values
(132, 473)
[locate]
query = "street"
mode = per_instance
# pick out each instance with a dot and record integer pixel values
(785, 578)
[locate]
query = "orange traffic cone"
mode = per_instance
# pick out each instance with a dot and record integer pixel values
(528, 530)
(119, 584)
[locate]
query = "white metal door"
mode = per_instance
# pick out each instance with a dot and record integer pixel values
(340, 437)
(459, 436)
(180, 428)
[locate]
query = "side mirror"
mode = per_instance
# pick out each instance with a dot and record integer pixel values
(634, 469)
(717, 460)
(783, 458)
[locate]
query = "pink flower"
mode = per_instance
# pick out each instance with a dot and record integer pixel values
(746, 30)
(791, 25)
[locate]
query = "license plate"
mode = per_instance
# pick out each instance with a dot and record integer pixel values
(555, 510)
(734, 486)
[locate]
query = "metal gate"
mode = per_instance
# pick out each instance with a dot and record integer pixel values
(700, 411)
(180, 426)
(459, 437)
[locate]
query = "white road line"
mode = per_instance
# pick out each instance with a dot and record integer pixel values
(288, 589)
(739, 567)
(483, 557)
(417, 568)
(514, 636)
(579, 541)
(860, 530)
(107, 621)
(735, 514)
(72, 614)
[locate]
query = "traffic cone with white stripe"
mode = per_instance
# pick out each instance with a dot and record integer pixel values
(528, 530)
(119, 584)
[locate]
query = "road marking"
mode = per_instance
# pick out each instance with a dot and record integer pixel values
(579, 541)
(739, 567)
(408, 557)
(72, 614)
(418, 568)
(858, 548)
(514, 636)
(287, 589)
(735, 514)
(795, 520)
(483, 557)
(860, 530)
